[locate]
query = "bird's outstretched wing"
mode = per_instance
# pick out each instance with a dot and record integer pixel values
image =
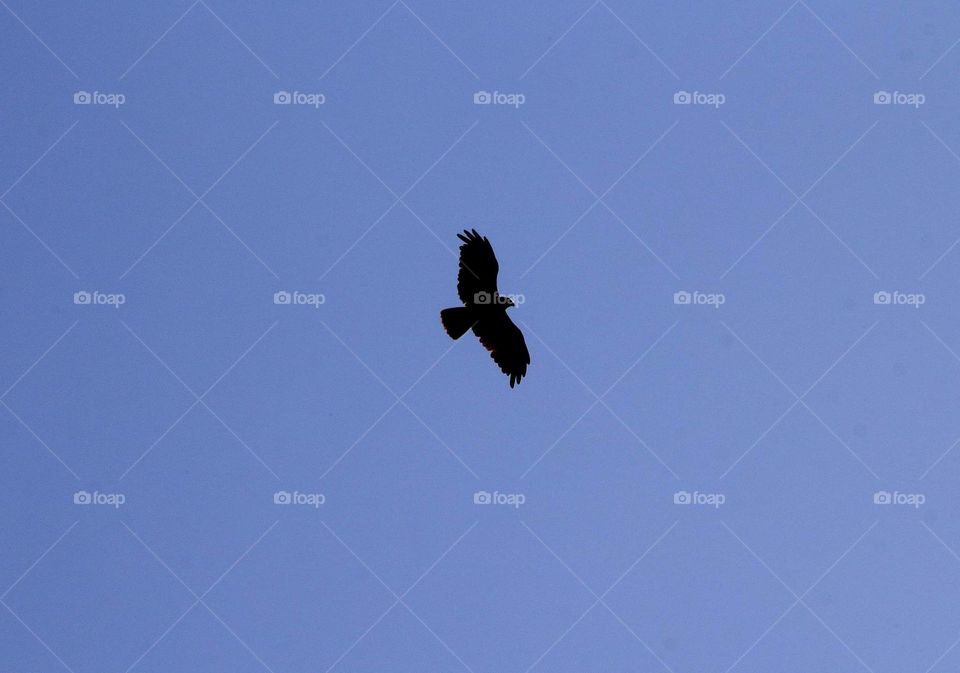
(505, 342)
(478, 267)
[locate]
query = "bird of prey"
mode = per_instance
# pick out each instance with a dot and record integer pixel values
(485, 310)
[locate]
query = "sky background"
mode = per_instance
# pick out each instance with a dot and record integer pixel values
(788, 406)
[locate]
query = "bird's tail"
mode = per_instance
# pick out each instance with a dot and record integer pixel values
(456, 321)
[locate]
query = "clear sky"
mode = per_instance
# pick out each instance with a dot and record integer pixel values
(733, 226)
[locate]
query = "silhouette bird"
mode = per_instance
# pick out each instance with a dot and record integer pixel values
(484, 310)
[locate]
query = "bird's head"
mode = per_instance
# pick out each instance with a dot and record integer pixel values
(507, 302)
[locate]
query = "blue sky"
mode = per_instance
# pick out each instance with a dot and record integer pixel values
(734, 229)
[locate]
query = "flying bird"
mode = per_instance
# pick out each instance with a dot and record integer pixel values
(485, 310)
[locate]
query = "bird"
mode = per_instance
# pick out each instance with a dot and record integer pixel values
(485, 309)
